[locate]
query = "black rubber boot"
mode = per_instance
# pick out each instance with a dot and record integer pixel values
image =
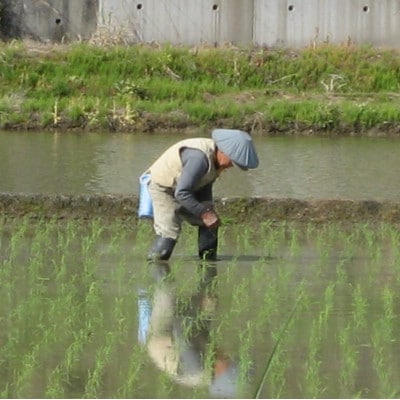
(162, 249)
(208, 243)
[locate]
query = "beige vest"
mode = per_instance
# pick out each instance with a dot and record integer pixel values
(166, 170)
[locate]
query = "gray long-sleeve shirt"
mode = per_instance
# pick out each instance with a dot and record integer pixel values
(194, 167)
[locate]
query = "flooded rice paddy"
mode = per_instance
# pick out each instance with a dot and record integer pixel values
(288, 311)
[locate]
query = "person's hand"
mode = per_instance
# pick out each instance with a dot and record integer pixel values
(210, 219)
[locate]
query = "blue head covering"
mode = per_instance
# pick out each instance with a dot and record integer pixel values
(238, 146)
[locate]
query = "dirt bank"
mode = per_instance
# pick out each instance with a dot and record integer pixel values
(176, 123)
(251, 210)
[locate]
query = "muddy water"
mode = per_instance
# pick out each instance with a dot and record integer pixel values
(303, 168)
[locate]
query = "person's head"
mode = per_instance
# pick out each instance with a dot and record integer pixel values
(225, 380)
(222, 160)
(234, 147)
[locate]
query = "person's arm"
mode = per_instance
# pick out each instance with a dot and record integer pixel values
(194, 167)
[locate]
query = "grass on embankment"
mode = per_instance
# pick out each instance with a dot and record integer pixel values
(318, 90)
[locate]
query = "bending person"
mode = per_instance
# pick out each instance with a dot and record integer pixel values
(180, 186)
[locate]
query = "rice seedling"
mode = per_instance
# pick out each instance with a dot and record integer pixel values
(383, 340)
(350, 357)
(277, 374)
(93, 387)
(341, 272)
(245, 354)
(327, 305)
(132, 376)
(360, 307)
(314, 387)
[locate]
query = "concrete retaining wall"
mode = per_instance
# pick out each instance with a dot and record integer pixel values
(298, 23)
(289, 23)
(181, 21)
(51, 20)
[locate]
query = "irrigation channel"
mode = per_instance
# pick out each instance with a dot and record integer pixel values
(294, 307)
(299, 168)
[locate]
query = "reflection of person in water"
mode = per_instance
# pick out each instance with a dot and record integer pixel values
(178, 337)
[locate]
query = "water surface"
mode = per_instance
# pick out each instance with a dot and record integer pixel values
(85, 316)
(303, 168)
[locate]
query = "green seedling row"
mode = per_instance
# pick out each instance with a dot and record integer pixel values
(302, 311)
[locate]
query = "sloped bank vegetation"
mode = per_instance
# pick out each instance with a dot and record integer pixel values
(320, 90)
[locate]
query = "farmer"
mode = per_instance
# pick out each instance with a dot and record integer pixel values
(180, 187)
